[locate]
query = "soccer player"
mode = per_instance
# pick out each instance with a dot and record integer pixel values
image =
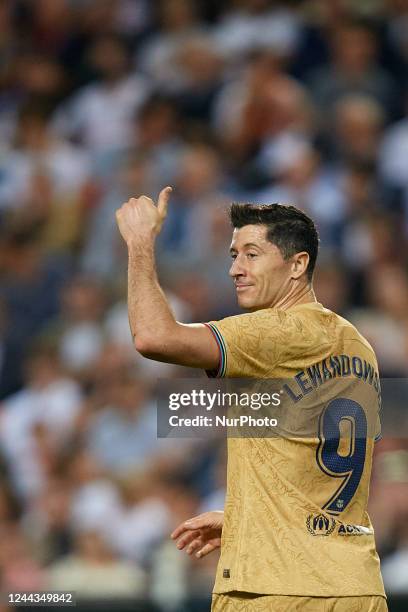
(295, 533)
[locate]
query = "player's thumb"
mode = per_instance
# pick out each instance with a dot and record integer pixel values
(163, 201)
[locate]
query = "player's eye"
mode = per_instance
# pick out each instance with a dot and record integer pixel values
(233, 255)
(252, 255)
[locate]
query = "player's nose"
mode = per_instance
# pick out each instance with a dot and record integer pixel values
(236, 268)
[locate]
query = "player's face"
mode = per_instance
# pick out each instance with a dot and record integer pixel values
(261, 276)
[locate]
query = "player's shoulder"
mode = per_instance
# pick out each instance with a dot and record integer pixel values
(354, 332)
(300, 316)
(264, 318)
(347, 332)
(310, 320)
(315, 316)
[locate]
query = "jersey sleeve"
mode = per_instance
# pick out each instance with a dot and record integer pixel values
(250, 345)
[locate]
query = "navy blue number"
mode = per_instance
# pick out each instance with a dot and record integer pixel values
(349, 467)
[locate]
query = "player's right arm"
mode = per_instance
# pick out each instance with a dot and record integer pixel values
(191, 345)
(156, 333)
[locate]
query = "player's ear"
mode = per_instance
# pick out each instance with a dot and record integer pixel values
(300, 261)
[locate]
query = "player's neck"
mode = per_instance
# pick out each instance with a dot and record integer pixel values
(298, 295)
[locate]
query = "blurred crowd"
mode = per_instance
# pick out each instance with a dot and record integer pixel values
(295, 101)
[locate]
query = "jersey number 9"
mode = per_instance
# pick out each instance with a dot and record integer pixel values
(343, 423)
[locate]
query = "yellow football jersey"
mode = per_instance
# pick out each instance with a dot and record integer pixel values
(296, 519)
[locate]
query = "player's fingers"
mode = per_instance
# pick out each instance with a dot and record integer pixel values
(187, 538)
(194, 545)
(180, 530)
(197, 522)
(205, 550)
(163, 201)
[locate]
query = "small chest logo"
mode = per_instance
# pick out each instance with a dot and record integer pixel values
(320, 524)
(226, 573)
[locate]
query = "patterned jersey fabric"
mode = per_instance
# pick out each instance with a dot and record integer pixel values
(296, 519)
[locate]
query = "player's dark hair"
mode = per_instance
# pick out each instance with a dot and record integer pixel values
(290, 229)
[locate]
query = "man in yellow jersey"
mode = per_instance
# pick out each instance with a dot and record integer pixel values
(295, 534)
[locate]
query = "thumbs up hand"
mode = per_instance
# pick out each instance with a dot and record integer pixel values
(139, 218)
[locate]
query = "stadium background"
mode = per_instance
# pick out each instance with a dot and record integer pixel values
(249, 100)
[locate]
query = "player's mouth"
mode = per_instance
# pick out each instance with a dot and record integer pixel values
(241, 287)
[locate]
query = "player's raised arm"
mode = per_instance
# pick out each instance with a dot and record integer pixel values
(156, 333)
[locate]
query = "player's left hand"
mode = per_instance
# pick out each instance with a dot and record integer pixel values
(201, 534)
(139, 218)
